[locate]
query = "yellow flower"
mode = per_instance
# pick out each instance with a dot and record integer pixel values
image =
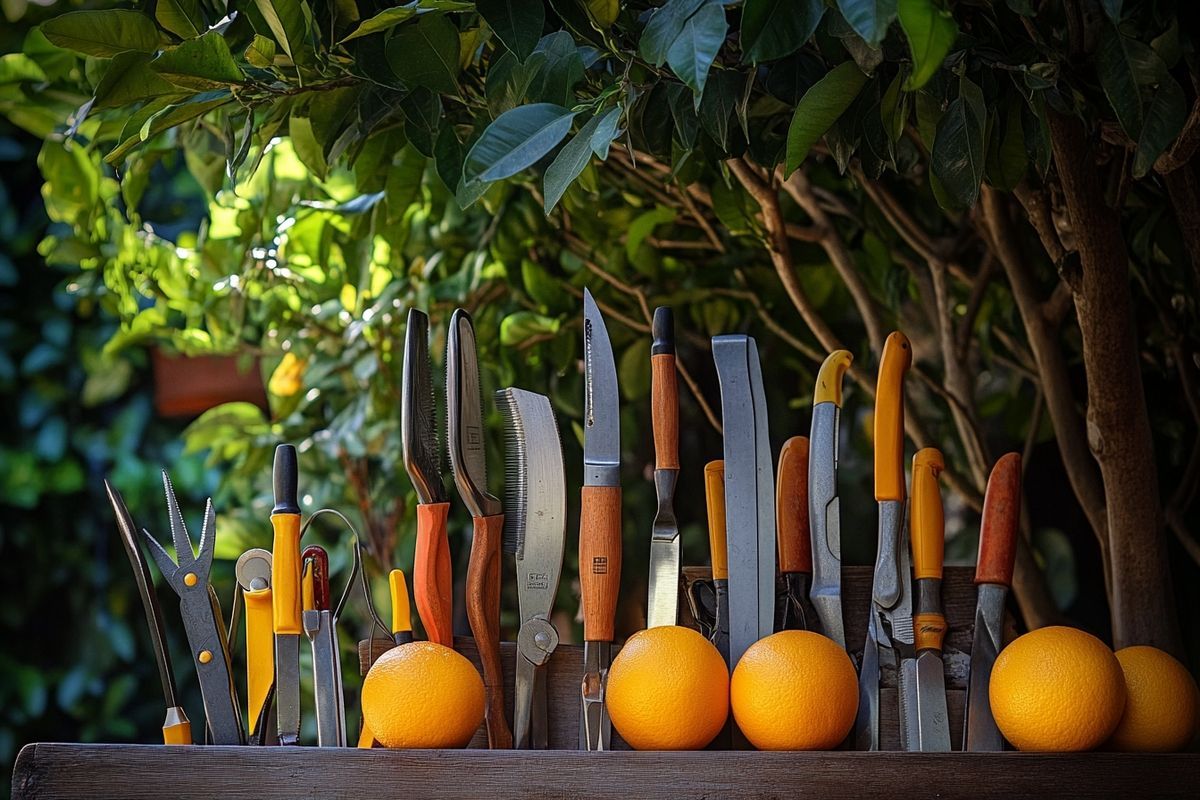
(288, 377)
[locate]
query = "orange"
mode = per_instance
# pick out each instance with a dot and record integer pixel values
(668, 689)
(422, 695)
(1160, 712)
(1057, 689)
(794, 690)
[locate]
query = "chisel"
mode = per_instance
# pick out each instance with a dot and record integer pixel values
(928, 547)
(663, 606)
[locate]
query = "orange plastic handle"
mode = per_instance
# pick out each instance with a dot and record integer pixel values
(600, 560)
(179, 733)
(285, 574)
(714, 495)
(889, 418)
(260, 653)
(928, 523)
(1001, 515)
(433, 576)
(791, 507)
(401, 611)
(829, 379)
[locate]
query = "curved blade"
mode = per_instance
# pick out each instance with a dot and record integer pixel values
(825, 513)
(980, 732)
(602, 412)
(418, 424)
(464, 421)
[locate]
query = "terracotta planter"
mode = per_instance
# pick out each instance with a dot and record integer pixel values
(185, 386)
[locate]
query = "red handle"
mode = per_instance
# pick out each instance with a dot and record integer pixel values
(1001, 515)
(791, 507)
(600, 560)
(483, 612)
(433, 579)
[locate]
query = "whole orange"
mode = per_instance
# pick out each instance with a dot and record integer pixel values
(668, 689)
(1057, 689)
(1160, 712)
(422, 695)
(794, 690)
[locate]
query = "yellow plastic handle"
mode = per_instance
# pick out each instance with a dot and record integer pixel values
(829, 379)
(285, 573)
(179, 733)
(260, 653)
(401, 612)
(889, 418)
(714, 493)
(308, 588)
(928, 524)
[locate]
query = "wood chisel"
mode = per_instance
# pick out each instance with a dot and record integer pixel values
(285, 593)
(714, 494)
(795, 610)
(824, 509)
(928, 548)
(320, 626)
(663, 604)
(253, 572)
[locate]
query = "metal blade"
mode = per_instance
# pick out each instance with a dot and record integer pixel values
(933, 721)
(523, 704)
(184, 555)
(980, 733)
(664, 554)
(418, 423)
(766, 498)
(825, 515)
(464, 423)
(330, 705)
(287, 687)
(910, 734)
(866, 725)
(602, 415)
(595, 726)
(720, 636)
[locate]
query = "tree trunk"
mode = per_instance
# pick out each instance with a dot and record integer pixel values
(1117, 421)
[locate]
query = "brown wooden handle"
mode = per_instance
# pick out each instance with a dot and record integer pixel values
(791, 507)
(664, 411)
(998, 530)
(599, 559)
(483, 612)
(433, 578)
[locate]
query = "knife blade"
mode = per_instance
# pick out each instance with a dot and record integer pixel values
(663, 605)
(795, 546)
(824, 509)
(285, 593)
(749, 493)
(928, 547)
(468, 462)
(433, 575)
(714, 493)
(599, 523)
(993, 576)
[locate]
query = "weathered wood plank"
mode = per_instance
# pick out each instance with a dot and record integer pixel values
(66, 771)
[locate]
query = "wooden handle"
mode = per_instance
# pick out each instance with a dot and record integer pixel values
(664, 411)
(791, 507)
(600, 560)
(829, 379)
(889, 418)
(285, 574)
(714, 496)
(401, 610)
(928, 524)
(433, 579)
(483, 612)
(1001, 514)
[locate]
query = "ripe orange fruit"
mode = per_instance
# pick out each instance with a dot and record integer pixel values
(422, 695)
(1057, 689)
(668, 689)
(1160, 712)
(794, 690)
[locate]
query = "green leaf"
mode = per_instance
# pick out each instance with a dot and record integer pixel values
(893, 108)
(129, 80)
(603, 13)
(542, 287)
(261, 52)
(421, 109)
(181, 17)
(1115, 66)
(931, 32)
(403, 185)
(517, 23)
(18, 67)
(289, 21)
(643, 225)
(569, 162)
(103, 33)
(203, 63)
(691, 54)
(310, 151)
(425, 53)
(633, 374)
(1006, 157)
(162, 115)
(384, 20)
(820, 107)
(958, 153)
(606, 133)
(772, 29)
(870, 19)
(508, 81)
(555, 82)
(664, 27)
(521, 326)
(718, 103)
(516, 140)
(1164, 120)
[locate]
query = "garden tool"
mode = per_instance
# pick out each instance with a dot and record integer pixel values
(599, 523)
(749, 493)
(795, 610)
(928, 548)
(890, 625)
(433, 574)
(993, 576)
(320, 626)
(176, 727)
(253, 572)
(202, 620)
(535, 529)
(286, 608)
(824, 510)
(401, 629)
(468, 462)
(663, 605)
(714, 491)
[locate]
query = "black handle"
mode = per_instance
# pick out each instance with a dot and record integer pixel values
(285, 475)
(663, 330)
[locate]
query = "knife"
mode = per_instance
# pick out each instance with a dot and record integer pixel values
(253, 572)
(285, 594)
(468, 462)
(824, 510)
(176, 728)
(795, 547)
(535, 530)
(928, 547)
(993, 576)
(320, 626)
(433, 576)
(749, 493)
(714, 494)
(890, 637)
(599, 523)
(663, 607)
